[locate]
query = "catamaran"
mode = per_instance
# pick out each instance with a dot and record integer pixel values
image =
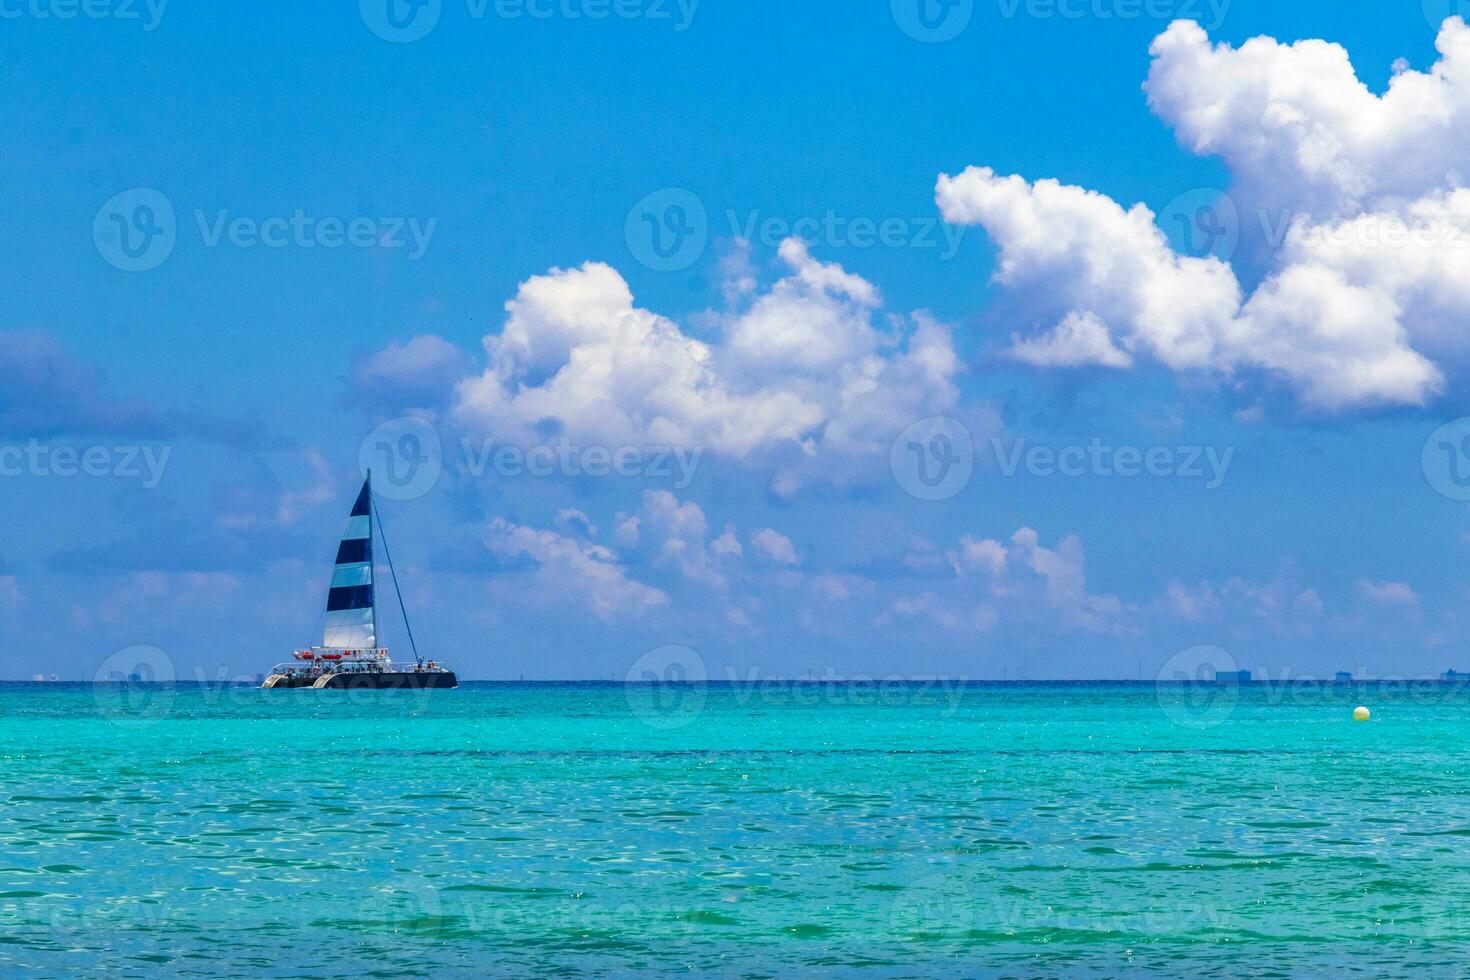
(349, 655)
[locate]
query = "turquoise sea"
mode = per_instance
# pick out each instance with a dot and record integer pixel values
(744, 830)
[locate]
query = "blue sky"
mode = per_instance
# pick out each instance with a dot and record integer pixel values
(488, 160)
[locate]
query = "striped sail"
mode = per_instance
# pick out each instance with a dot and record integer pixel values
(349, 622)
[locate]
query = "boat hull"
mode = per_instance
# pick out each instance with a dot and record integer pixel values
(279, 681)
(388, 680)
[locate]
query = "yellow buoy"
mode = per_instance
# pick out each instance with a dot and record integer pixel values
(1360, 713)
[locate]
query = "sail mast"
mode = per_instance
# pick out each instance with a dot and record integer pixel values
(372, 560)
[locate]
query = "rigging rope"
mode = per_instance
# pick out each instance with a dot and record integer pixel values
(393, 571)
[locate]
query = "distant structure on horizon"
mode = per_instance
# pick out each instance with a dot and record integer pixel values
(1232, 677)
(1455, 675)
(1343, 675)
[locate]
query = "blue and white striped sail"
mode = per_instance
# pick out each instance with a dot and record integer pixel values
(349, 622)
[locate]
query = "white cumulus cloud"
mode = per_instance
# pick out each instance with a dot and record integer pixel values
(803, 364)
(1019, 581)
(1363, 299)
(569, 567)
